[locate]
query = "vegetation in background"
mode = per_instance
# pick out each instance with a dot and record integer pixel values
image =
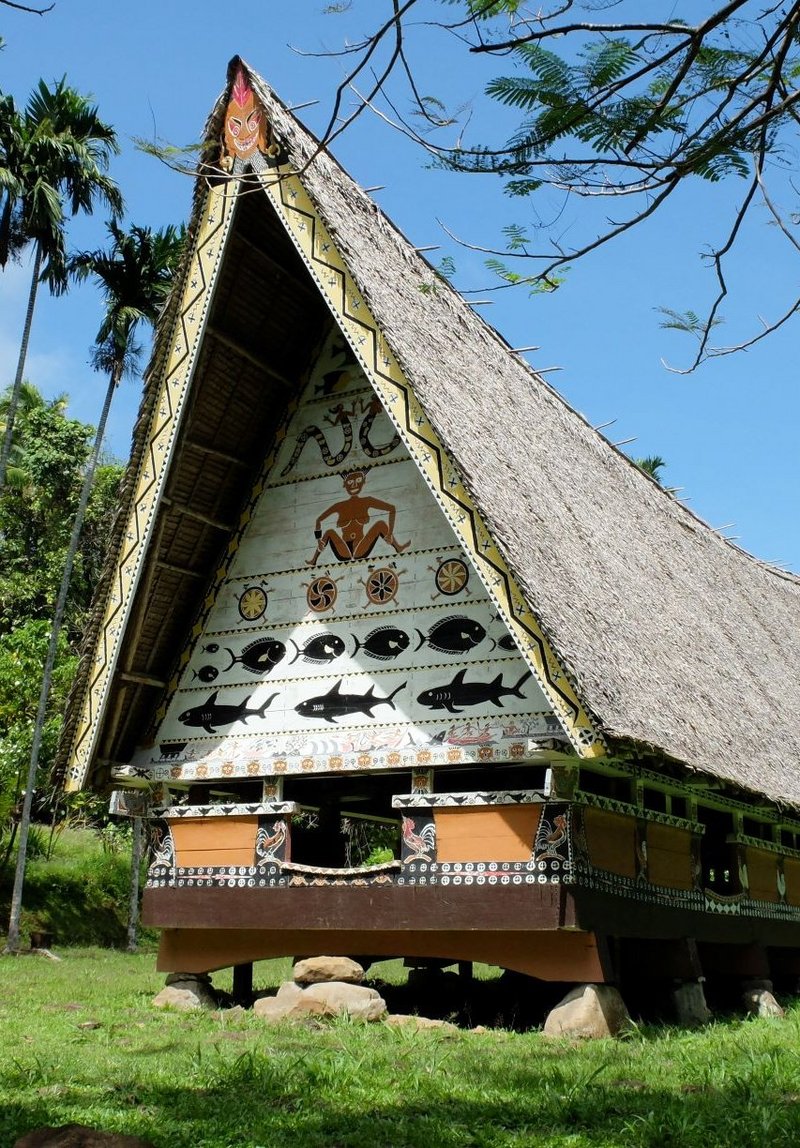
(54, 158)
(135, 276)
(36, 512)
(76, 879)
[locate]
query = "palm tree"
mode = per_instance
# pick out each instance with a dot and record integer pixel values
(652, 465)
(53, 162)
(135, 275)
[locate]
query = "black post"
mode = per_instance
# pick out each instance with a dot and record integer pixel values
(243, 984)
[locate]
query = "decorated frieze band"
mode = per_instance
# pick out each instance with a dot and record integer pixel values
(203, 812)
(486, 797)
(247, 763)
(612, 805)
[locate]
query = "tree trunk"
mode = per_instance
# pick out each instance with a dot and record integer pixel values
(136, 860)
(12, 941)
(13, 401)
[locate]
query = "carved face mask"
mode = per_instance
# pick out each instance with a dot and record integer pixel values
(244, 121)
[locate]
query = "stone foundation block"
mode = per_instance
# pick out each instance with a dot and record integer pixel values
(689, 1002)
(314, 970)
(588, 1012)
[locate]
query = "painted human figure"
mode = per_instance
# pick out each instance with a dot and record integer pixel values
(353, 536)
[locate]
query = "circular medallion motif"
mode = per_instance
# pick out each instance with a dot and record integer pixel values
(452, 576)
(321, 594)
(252, 603)
(382, 586)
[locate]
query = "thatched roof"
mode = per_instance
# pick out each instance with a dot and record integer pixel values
(675, 639)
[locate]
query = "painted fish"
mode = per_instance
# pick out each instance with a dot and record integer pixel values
(260, 656)
(384, 643)
(206, 673)
(211, 714)
(460, 693)
(324, 648)
(507, 643)
(211, 649)
(335, 704)
(454, 635)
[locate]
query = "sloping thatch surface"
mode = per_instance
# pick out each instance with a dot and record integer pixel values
(675, 639)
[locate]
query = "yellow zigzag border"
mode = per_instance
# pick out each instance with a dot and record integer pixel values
(186, 336)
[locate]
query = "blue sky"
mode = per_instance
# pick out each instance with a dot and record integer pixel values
(729, 432)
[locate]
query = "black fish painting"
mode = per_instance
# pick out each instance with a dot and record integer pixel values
(322, 649)
(458, 693)
(211, 649)
(384, 643)
(507, 643)
(260, 656)
(455, 635)
(335, 704)
(206, 673)
(212, 714)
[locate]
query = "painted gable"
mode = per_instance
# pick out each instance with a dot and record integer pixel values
(351, 630)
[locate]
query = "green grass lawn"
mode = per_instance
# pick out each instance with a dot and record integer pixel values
(80, 1041)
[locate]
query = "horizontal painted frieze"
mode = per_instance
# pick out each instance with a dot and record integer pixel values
(486, 797)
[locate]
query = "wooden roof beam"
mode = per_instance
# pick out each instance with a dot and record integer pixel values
(306, 288)
(141, 679)
(174, 568)
(189, 512)
(249, 356)
(213, 452)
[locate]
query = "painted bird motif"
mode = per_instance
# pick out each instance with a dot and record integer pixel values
(551, 837)
(421, 845)
(268, 844)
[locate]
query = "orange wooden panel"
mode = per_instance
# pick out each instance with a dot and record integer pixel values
(762, 874)
(611, 841)
(669, 856)
(791, 869)
(549, 956)
(503, 833)
(215, 841)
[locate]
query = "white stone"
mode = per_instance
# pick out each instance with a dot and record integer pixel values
(761, 1002)
(401, 1020)
(358, 1001)
(588, 1012)
(314, 970)
(183, 999)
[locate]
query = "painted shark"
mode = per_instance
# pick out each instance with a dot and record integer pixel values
(459, 693)
(335, 704)
(210, 715)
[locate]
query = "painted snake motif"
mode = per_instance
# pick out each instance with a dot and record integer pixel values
(342, 416)
(373, 410)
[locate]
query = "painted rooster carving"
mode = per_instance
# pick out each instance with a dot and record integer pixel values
(419, 846)
(268, 845)
(550, 838)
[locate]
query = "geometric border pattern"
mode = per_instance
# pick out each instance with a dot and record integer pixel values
(216, 216)
(460, 800)
(304, 226)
